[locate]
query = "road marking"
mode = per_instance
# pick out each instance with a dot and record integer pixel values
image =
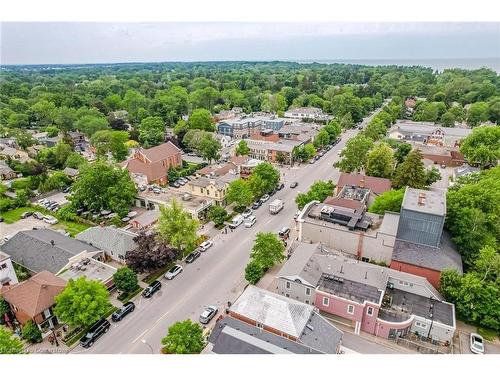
(138, 337)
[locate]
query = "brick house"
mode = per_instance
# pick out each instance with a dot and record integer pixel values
(153, 163)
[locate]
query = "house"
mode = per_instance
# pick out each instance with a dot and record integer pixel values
(464, 170)
(428, 133)
(145, 220)
(302, 132)
(376, 185)
(247, 168)
(240, 128)
(14, 154)
(84, 265)
(34, 300)
(212, 188)
(228, 114)
(305, 112)
(46, 250)
(115, 242)
(272, 123)
(371, 298)
(6, 172)
(218, 170)
(282, 316)
(71, 172)
(273, 151)
(450, 157)
(233, 336)
(153, 163)
(224, 140)
(34, 150)
(7, 272)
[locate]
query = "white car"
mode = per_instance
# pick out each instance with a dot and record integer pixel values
(237, 220)
(247, 213)
(476, 343)
(204, 246)
(250, 221)
(172, 272)
(50, 220)
(207, 314)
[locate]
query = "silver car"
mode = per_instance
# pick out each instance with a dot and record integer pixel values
(172, 272)
(476, 343)
(207, 315)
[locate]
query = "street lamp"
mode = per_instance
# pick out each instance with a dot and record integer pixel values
(147, 343)
(431, 315)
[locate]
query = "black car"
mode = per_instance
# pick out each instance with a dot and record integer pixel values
(193, 256)
(256, 205)
(280, 186)
(66, 189)
(293, 185)
(272, 192)
(26, 214)
(96, 330)
(126, 309)
(151, 289)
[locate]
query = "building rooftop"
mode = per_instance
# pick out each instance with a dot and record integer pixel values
(341, 212)
(190, 202)
(308, 110)
(425, 129)
(160, 152)
(352, 290)
(426, 201)
(108, 238)
(89, 268)
(377, 185)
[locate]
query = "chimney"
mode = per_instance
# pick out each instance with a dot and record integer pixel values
(421, 199)
(341, 268)
(52, 242)
(362, 182)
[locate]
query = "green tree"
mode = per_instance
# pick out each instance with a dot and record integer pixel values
(125, 280)
(75, 160)
(448, 119)
(267, 250)
(432, 175)
(151, 131)
(253, 272)
(9, 344)
(90, 124)
(239, 193)
(346, 121)
(354, 154)
(482, 146)
(52, 131)
(380, 161)
(322, 138)
(375, 130)
(389, 201)
(44, 112)
(209, 147)
(217, 214)
(319, 191)
(411, 172)
(242, 148)
(184, 337)
(263, 179)
(112, 141)
(477, 113)
(334, 130)
(31, 332)
(65, 118)
(82, 302)
(104, 187)
(402, 150)
(176, 227)
(24, 139)
(201, 119)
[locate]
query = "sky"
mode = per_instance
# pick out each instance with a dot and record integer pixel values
(81, 42)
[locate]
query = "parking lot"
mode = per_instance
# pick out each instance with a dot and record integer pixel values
(23, 224)
(464, 338)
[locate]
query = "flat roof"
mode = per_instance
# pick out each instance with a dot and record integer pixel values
(426, 201)
(92, 270)
(353, 290)
(189, 201)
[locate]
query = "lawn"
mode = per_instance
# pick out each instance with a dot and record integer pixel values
(14, 215)
(488, 334)
(71, 227)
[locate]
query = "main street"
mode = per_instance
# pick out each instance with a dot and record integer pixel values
(217, 276)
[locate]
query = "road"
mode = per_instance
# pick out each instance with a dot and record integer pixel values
(216, 277)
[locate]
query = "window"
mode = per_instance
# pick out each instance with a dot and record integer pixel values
(46, 314)
(308, 291)
(259, 325)
(2, 266)
(369, 311)
(287, 295)
(326, 301)
(307, 301)
(365, 259)
(288, 285)
(421, 325)
(350, 309)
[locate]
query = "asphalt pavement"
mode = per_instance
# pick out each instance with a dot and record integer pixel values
(217, 276)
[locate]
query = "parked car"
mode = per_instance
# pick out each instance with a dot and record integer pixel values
(207, 315)
(181, 182)
(247, 213)
(312, 161)
(126, 219)
(281, 186)
(96, 330)
(317, 157)
(204, 246)
(476, 343)
(236, 222)
(193, 256)
(67, 189)
(132, 214)
(264, 198)
(272, 192)
(151, 289)
(250, 221)
(126, 309)
(156, 190)
(50, 220)
(172, 272)
(26, 214)
(296, 215)
(256, 205)
(184, 180)
(293, 185)
(38, 215)
(284, 233)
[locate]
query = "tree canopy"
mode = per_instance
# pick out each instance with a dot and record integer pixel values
(9, 344)
(319, 191)
(184, 337)
(354, 154)
(482, 146)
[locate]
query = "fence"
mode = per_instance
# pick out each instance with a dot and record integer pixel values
(423, 347)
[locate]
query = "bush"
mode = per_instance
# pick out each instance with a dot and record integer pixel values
(67, 213)
(488, 334)
(253, 272)
(31, 332)
(125, 280)
(217, 214)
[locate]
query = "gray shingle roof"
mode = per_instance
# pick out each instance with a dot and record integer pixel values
(33, 249)
(109, 239)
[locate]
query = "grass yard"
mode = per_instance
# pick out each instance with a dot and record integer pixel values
(488, 334)
(71, 227)
(14, 215)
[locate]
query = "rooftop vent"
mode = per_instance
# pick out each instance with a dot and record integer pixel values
(52, 242)
(421, 199)
(310, 327)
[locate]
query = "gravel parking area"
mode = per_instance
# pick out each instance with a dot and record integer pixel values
(23, 224)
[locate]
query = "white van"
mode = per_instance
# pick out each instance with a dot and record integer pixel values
(236, 222)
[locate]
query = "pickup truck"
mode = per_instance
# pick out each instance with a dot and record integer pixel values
(276, 206)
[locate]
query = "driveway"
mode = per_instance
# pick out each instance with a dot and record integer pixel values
(489, 348)
(22, 224)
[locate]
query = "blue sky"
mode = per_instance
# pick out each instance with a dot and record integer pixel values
(80, 42)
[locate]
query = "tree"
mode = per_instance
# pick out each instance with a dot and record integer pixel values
(52, 131)
(151, 131)
(209, 148)
(253, 272)
(263, 179)
(319, 191)
(354, 154)
(176, 227)
(239, 192)
(482, 146)
(75, 160)
(389, 201)
(477, 113)
(448, 119)
(242, 148)
(334, 129)
(201, 119)
(375, 130)
(9, 344)
(111, 141)
(346, 121)
(125, 280)
(431, 176)
(149, 254)
(411, 172)
(24, 139)
(65, 118)
(184, 337)
(402, 150)
(217, 214)
(267, 250)
(82, 302)
(90, 124)
(44, 113)
(104, 187)
(380, 161)
(55, 157)
(322, 139)
(31, 332)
